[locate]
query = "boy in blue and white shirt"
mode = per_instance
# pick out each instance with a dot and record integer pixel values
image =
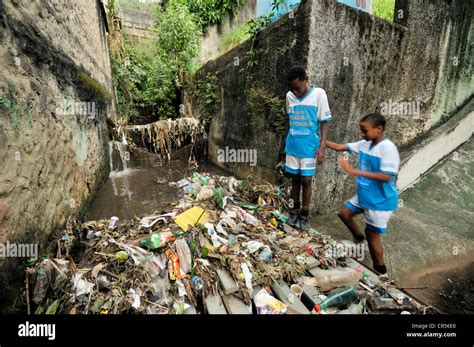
(377, 195)
(309, 113)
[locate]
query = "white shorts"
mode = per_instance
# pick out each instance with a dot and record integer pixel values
(300, 166)
(376, 220)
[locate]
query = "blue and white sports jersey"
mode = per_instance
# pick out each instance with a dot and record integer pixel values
(383, 157)
(305, 114)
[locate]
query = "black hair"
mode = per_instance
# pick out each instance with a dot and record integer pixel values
(375, 120)
(297, 72)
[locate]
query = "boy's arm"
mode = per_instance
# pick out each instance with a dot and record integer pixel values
(336, 146)
(378, 176)
(322, 146)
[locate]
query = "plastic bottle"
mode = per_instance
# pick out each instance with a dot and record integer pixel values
(367, 280)
(201, 179)
(329, 279)
(339, 297)
(158, 240)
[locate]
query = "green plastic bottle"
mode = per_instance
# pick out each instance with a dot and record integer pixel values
(201, 179)
(155, 241)
(219, 197)
(337, 298)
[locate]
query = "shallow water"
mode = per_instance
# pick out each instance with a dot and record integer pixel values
(142, 187)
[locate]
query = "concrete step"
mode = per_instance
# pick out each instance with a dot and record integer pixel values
(214, 305)
(235, 305)
(228, 284)
(283, 292)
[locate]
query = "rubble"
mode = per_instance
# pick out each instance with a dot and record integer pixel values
(223, 248)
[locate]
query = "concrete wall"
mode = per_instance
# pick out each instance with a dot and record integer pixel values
(137, 24)
(362, 62)
(282, 45)
(52, 52)
(214, 33)
(439, 143)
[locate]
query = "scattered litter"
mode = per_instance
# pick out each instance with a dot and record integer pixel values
(223, 248)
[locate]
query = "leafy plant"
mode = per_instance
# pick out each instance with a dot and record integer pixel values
(146, 78)
(206, 93)
(178, 35)
(212, 11)
(262, 103)
(383, 9)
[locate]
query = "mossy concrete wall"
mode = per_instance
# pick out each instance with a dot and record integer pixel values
(53, 154)
(280, 46)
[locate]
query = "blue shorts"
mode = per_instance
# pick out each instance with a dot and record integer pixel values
(375, 220)
(300, 166)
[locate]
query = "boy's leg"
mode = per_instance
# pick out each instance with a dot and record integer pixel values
(347, 217)
(292, 169)
(294, 215)
(347, 214)
(296, 191)
(376, 226)
(307, 192)
(376, 250)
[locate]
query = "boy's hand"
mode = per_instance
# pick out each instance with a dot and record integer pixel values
(345, 165)
(320, 155)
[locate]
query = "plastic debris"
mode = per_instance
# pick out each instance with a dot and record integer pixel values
(169, 261)
(113, 223)
(193, 216)
(267, 304)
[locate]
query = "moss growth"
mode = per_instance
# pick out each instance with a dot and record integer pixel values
(94, 87)
(384, 9)
(205, 92)
(262, 103)
(15, 108)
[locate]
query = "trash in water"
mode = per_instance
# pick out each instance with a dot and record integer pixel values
(191, 217)
(168, 261)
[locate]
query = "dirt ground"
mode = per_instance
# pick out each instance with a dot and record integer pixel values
(448, 287)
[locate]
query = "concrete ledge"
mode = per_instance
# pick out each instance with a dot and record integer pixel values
(435, 146)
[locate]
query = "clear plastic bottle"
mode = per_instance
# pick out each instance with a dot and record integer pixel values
(339, 297)
(333, 278)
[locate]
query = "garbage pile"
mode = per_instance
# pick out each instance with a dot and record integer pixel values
(163, 136)
(223, 248)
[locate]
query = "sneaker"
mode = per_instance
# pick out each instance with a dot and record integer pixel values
(384, 277)
(293, 218)
(304, 223)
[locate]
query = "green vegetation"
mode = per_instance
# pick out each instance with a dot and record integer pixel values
(94, 87)
(148, 74)
(212, 11)
(264, 105)
(205, 92)
(146, 77)
(233, 38)
(135, 5)
(383, 9)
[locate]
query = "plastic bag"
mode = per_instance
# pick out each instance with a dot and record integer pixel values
(184, 254)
